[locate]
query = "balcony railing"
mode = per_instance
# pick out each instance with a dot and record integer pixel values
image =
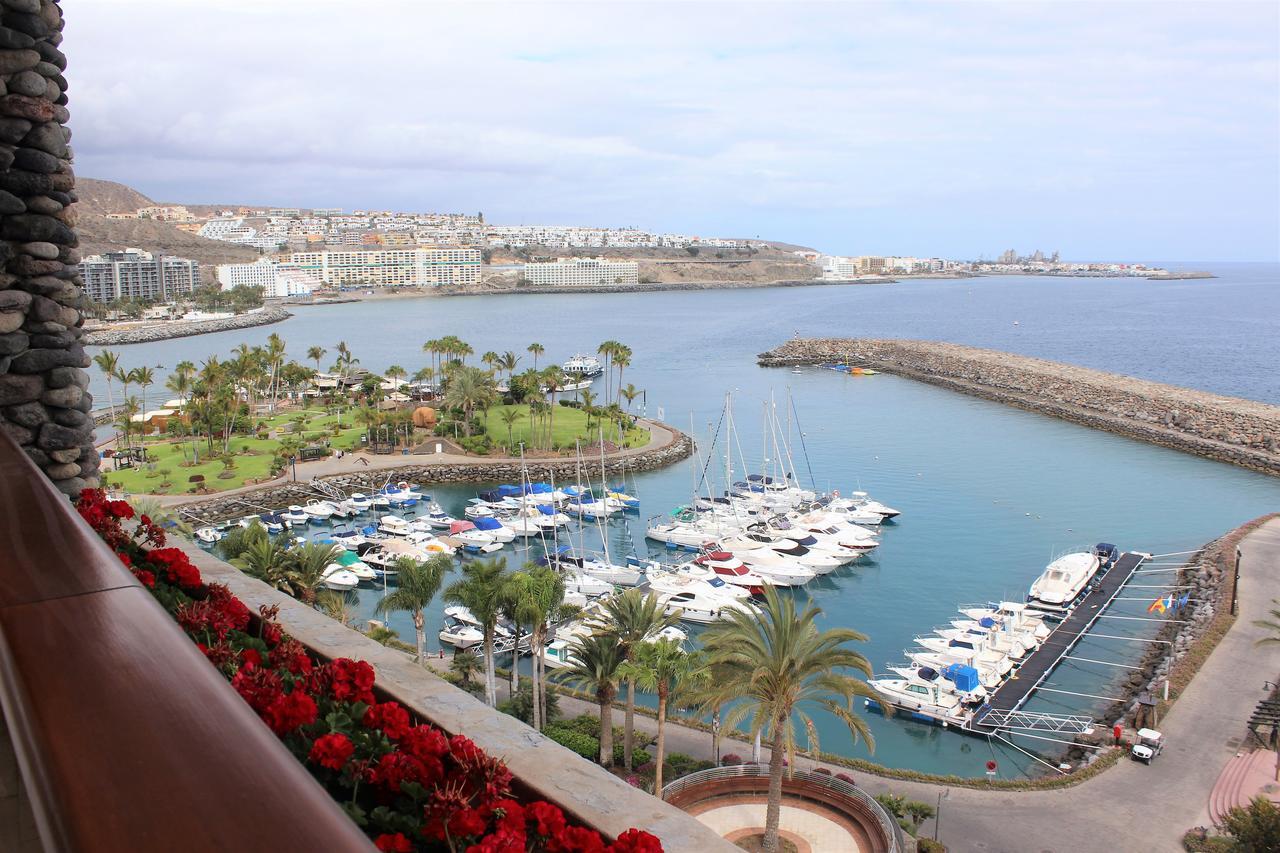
(799, 784)
(126, 738)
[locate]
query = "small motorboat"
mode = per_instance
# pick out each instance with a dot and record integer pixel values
(360, 502)
(337, 578)
(209, 535)
(436, 517)
(318, 510)
(295, 515)
(1062, 582)
(351, 563)
(496, 529)
(394, 525)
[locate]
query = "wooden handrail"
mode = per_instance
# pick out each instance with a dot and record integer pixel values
(126, 737)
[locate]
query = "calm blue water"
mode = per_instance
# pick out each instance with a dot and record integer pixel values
(989, 494)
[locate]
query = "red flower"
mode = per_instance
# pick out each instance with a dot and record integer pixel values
(502, 841)
(176, 567)
(547, 819)
(350, 680)
(259, 687)
(290, 712)
(292, 657)
(636, 841)
(576, 839)
(389, 718)
(145, 578)
(397, 767)
(397, 843)
(332, 751)
(424, 743)
(250, 658)
(466, 823)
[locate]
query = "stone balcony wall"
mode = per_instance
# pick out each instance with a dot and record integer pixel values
(44, 404)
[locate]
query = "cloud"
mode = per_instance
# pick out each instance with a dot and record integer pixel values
(854, 127)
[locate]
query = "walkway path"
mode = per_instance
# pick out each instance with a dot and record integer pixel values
(356, 462)
(1131, 807)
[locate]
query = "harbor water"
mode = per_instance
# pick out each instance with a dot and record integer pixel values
(988, 494)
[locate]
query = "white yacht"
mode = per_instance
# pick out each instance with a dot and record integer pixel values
(962, 680)
(703, 583)
(766, 562)
(208, 535)
(1025, 639)
(436, 517)
(976, 649)
(861, 501)
(295, 515)
(927, 700)
(989, 676)
(1014, 613)
(394, 525)
(1014, 647)
(1062, 582)
(337, 578)
(694, 607)
(496, 529)
(460, 634)
(351, 563)
(360, 502)
(318, 510)
(732, 570)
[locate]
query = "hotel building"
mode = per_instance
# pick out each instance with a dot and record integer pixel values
(135, 274)
(277, 281)
(570, 272)
(392, 267)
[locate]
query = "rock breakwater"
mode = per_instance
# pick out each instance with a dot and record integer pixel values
(1227, 429)
(164, 331)
(215, 508)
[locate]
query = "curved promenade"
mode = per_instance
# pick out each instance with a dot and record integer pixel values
(1227, 429)
(365, 472)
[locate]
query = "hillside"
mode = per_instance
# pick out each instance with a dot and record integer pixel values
(103, 197)
(99, 234)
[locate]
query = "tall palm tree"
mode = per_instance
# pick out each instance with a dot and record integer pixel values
(479, 591)
(553, 378)
(470, 388)
(508, 361)
(395, 373)
(628, 620)
(490, 359)
(509, 417)
(274, 359)
(536, 349)
(145, 377)
(419, 583)
(630, 393)
(770, 663)
(316, 353)
(109, 363)
(533, 594)
(606, 349)
(667, 669)
(595, 662)
(621, 361)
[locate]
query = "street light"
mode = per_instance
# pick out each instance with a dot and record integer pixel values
(944, 794)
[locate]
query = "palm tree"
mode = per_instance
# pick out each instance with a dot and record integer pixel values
(595, 662)
(621, 360)
(667, 669)
(533, 595)
(771, 662)
(309, 562)
(553, 378)
(630, 393)
(478, 591)
(315, 354)
(466, 664)
(267, 560)
(491, 359)
(419, 583)
(109, 363)
(509, 417)
(469, 388)
(128, 409)
(508, 361)
(145, 377)
(536, 349)
(606, 349)
(629, 619)
(395, 373)
(1272, 625)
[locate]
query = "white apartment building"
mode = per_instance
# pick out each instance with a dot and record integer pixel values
(135, 274)
(570, 272)
(278, 281)
(392, 267)
(839, 269)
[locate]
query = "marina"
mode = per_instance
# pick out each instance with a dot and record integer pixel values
(988, 493)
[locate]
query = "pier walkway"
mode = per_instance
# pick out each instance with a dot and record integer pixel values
(1011, 695)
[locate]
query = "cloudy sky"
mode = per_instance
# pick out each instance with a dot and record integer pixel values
(1124, 131)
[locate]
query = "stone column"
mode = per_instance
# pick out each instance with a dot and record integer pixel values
(44, 406)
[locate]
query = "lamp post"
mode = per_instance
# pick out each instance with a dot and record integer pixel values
(944, 794)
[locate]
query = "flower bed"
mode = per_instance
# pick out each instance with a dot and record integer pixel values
(405, 783)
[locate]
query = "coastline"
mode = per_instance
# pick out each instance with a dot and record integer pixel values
(164, 331)
(1226, 429)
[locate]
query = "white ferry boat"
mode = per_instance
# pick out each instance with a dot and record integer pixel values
(583, 367)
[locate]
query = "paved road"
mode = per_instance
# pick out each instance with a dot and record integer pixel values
(1131, 807)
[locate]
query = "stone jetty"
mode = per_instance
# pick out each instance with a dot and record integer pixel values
(1227, 429)
(44, 406)
(163, 331)
(209, 509)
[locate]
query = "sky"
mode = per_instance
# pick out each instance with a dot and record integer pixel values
(1128, 131)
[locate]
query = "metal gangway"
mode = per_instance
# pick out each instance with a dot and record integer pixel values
(1019, 719)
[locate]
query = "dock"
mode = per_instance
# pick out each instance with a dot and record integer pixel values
(1010, 696)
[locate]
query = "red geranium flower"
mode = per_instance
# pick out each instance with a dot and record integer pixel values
(389, 718)
(466, 823)
(547, 819)
(350, 680)
(292, 657)
(636, 841)
(290, 712)
(332, 751)
(425, 742)
(259, 687)
(576, 839)
(397, 843)
(250, 658)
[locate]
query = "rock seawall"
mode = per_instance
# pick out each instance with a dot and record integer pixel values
(215, 508)
(164, 331)
(1227, 429)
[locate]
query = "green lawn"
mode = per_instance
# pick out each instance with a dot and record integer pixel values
(252, 456)
(570, 424)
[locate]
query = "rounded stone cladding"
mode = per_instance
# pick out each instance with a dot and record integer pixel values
(813, 799)
(44, 404)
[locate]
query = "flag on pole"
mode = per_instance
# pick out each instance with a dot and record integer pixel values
(1157, 606)
(1182, 602)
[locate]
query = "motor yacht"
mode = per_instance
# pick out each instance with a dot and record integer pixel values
(350, 562)
(496, 529)
(208, 535)
(861, 501)
(318, 510)
(733, 571)
(979, 652)
(694, 607)
(988, 675)
(394, 525)
(1062, 582)
(1014, 647)
(295, 515)
(767, 563)
(929, 702)
(962, 680)
(459, 634)
(360, 502)
(1013, 613)
(436, 517)
(1026, 639)
(337, 578)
